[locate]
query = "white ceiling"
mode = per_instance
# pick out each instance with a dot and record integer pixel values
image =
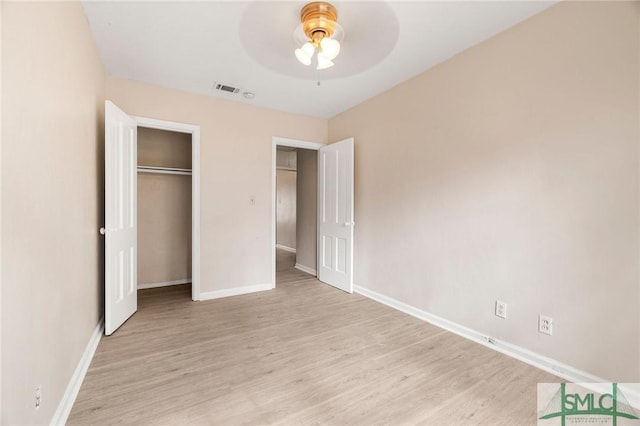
(191, 45)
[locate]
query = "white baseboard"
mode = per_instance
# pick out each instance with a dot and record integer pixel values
(286, 248)
(306, 269)
(143, 286)
(70, 394)
(542, 362)
(235, 291)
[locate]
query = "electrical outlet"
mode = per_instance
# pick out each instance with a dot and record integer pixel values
(501, 309)
(545, 324)
(38, 399)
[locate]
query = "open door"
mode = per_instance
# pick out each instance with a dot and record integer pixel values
(335, 215)
(120, 300)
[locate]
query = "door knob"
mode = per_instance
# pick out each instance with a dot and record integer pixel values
(103, 230)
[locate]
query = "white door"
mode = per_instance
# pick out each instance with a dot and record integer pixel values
(335, 214)
(120, 300)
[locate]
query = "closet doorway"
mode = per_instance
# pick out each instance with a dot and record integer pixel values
(120, 228)
(168, 204)
(164, 208)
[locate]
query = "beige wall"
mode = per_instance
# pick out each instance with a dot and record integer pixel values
(286, 208)
(307, 197)
(519, 182)
(235, 235)
(52, 192)
(164, 208)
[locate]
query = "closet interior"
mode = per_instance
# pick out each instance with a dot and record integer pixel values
(164, 208)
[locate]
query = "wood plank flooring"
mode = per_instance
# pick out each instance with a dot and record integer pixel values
(304, 353)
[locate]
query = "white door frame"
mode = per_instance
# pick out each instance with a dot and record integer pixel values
(293, 143)
(152, 123)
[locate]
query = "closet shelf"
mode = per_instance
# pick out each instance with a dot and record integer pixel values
(164, 170)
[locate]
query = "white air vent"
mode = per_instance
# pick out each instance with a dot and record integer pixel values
(225, 88)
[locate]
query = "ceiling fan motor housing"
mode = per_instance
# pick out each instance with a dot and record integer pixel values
(318, 20)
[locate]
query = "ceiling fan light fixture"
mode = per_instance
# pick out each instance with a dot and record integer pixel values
(305, 53)
(330, 47)
(319, 31)
(323, 62)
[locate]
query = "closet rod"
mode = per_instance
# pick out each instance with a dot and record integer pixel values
(164, 170)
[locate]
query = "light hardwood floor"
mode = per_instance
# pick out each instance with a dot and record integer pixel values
(304, 353)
